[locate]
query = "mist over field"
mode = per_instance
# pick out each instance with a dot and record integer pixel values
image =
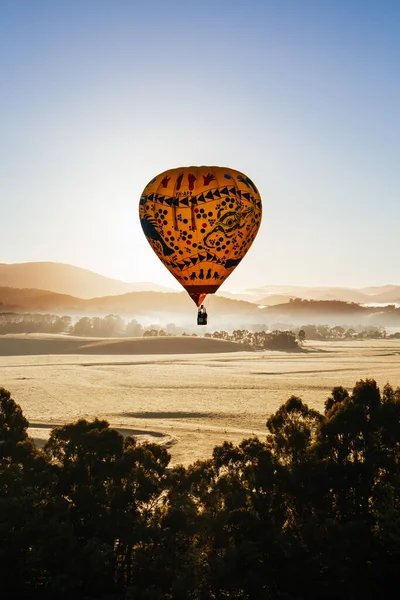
(139, 360)
(64, 290)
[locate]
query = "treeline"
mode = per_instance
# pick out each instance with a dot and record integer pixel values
(311, 512)
(115, 326)
(339, 306)
(338, 332)
(34, 323)
(273, 340)
(109, 326)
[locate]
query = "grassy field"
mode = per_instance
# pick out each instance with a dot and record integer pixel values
(191, 400)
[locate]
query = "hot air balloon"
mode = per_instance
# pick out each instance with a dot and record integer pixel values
(200, 221)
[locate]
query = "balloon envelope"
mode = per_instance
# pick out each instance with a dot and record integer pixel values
(200, 221)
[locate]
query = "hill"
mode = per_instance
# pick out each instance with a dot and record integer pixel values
(82, 283)
(67, 279)
(270, 295)
(332, 312)
(31, 300)
(178, 308)
(148, 307)
(36, 344)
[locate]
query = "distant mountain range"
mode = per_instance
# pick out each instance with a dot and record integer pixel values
(83, 283)
(178, 308)
(274, 294)
(131, 304)
(67, 279)
(146, 307)
(67, 290)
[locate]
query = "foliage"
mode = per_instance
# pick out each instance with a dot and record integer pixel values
(313, 511)
(33, 323)
(260, 340)
(281, 338)
(338, 332)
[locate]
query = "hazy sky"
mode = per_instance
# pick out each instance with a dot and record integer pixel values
(99, 96)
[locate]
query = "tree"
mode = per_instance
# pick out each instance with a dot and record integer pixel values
(112, 486)
(13, 426)
(293, 428)
(302, 336)
(62, 324)
(280, 340)
(37, 546)
(83, 326)
(311, 512)
(113, 326)
(134, 329)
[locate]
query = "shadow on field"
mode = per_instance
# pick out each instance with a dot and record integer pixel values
(169, 415)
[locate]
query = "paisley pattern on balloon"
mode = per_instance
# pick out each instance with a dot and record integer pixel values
(200, 221)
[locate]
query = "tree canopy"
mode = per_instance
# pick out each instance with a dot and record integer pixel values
(310, 512)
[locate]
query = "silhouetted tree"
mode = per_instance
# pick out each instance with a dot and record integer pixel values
(83, 326)
(134, 329)
(311, 512)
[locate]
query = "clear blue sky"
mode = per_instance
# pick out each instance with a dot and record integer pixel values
(304, 96)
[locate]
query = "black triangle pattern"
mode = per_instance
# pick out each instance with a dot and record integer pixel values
(194, 200)
(194, 260)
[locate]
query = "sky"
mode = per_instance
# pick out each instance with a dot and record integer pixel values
(97, 97)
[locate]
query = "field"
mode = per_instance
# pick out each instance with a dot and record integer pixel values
(187, 393)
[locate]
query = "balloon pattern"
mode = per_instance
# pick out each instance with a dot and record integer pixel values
(200, 221)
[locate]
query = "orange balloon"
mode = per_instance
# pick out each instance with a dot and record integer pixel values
(200, 221)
